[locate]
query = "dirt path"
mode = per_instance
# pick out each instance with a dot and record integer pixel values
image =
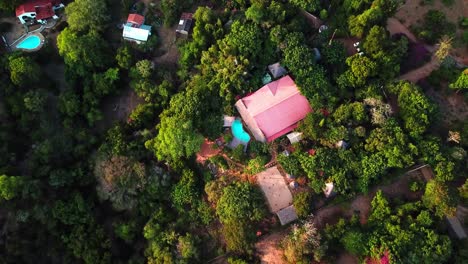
(394, 26)
(422, 72)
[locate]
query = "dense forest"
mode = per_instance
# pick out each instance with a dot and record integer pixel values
(78, 185)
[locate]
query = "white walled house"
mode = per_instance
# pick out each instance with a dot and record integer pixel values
(38, 11)
(134, 29)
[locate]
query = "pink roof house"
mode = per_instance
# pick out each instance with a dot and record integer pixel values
(274, 109)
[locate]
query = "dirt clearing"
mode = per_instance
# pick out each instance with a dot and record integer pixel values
(412, 14)
(268, 248)
(118, 107)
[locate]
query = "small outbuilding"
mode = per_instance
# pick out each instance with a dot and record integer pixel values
(185, 23)
(294, 137)
(342, 144)
(276, 70)
(287, 215)
(329, 189)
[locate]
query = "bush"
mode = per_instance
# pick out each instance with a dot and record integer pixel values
(416, 185)
(125, 231)
(238, 153)
(464, 22)
(435, 25)
(465, 37)
(256, 165)
(448, 2)
(219, 161)
(323, 14)
(354, 243)
(302, 203)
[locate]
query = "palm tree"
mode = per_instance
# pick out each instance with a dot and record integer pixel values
(445, 45)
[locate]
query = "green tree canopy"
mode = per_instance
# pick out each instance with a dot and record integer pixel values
(461, 82)
(415, 108)
(240, 202)
(87, 15)
(10, 186)
(83, 53)
(23, 70)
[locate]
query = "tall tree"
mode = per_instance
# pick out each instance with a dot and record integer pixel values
(86, 15)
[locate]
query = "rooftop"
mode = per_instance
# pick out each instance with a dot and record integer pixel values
(136, 19)
(274, 109)
(275, 189)
(30, 7)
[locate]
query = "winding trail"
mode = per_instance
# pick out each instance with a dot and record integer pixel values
(422, 72)
(394, 26)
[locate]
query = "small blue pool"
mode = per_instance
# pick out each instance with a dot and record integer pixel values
(29, 43)
(238, 131)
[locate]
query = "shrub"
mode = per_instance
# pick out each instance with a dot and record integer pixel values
(125, 231)
(219, 161)
(323, 14)
(465, 37)
(302, 203)
(238, 153)
(464, 22)
(448, 2)
(256, 165)
(435, 25)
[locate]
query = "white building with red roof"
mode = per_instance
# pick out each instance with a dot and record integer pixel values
(273, 110)
(38, 10)
(135, 30)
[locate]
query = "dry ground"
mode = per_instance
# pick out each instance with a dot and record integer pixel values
(118, 107)
(412, 14)
(167, 53)
(452, 107)
(422, 72)
(269, 250)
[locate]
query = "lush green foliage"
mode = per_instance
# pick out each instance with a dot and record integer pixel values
(240, 202)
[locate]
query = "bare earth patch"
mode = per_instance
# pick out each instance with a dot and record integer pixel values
(412, 14)
(167, 53)
(268, 248)
(118, 107)
(452, 107)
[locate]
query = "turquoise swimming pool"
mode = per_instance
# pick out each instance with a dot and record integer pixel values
(238, 131)
(29, 43)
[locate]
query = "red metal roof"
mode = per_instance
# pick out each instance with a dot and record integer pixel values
(43, 12)
(186, 16)
(37, 6)
(136, 19)
(277, 107)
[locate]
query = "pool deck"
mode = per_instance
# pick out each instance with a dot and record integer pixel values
(41, 37)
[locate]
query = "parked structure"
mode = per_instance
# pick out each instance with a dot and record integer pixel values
(273, 110)
(38, 11)
(287, 215)
(135, 30)
(185, 23)
(276, 70)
